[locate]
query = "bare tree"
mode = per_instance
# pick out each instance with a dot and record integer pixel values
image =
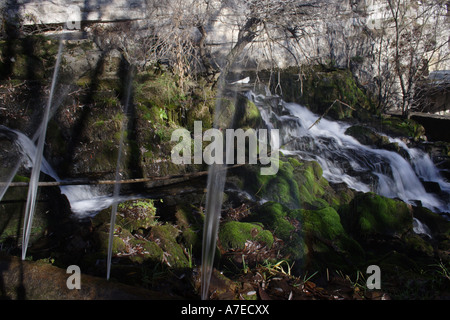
(419, 43)
(176, 32)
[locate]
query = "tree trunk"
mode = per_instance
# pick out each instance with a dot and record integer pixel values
(245, 37)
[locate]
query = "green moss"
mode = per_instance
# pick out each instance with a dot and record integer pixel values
(321, 86)
(327, 244)
(325, 222)
(274, 216)
(18, 178)
(167, 236)
(158, 90)
(369, 214)
(234, 234)
(28, 58)
(418, 246)
(282, 188)
(150, 252)
(190, 225)
(402, 127)
(118, 245)
(246, 114)
(136, 214)
(296, 185)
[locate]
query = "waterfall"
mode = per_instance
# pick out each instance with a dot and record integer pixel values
(346, 160)
(85, 200)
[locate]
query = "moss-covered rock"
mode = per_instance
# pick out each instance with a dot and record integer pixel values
(136, 214)
(370, 215)
(191, 225)
(321, 86)
(327, 244)
(28, 58)
(298, 184)
(234, 235)
(279, 220)
(173, 253)
(247, 114)
(274, 216)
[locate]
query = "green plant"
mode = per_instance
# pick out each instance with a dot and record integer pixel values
(189, 254)
(274, 268)
(360, 281)
(162, 114)
(442, 269)
(307, 278)
(245, 266)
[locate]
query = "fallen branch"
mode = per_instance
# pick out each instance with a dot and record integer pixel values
(112, 182)
(325, 113)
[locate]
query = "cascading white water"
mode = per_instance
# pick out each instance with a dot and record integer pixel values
(345, 160)
(85, 200)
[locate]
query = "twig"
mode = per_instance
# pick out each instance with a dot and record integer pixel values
(329, 108)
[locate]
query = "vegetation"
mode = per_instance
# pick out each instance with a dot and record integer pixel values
(299, 228)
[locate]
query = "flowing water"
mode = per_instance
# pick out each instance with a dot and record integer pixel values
(85, 200)
(345, 160)
(342, 158)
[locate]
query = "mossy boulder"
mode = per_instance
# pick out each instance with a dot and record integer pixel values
(315, 238)
(298, 184)
(191, 225)
(138, 236)
(282, 187)
(136, 214)
(173, 252)
(234, 235)
(278, 219)
(369, 215)
(327, 244)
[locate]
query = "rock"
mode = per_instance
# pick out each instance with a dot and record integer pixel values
(370, 215)
(136, 214)
(438, 224)
(234, 235)
(52, 211)
(367, 136)
(29, 280)
(296, 185)
(432, 187)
